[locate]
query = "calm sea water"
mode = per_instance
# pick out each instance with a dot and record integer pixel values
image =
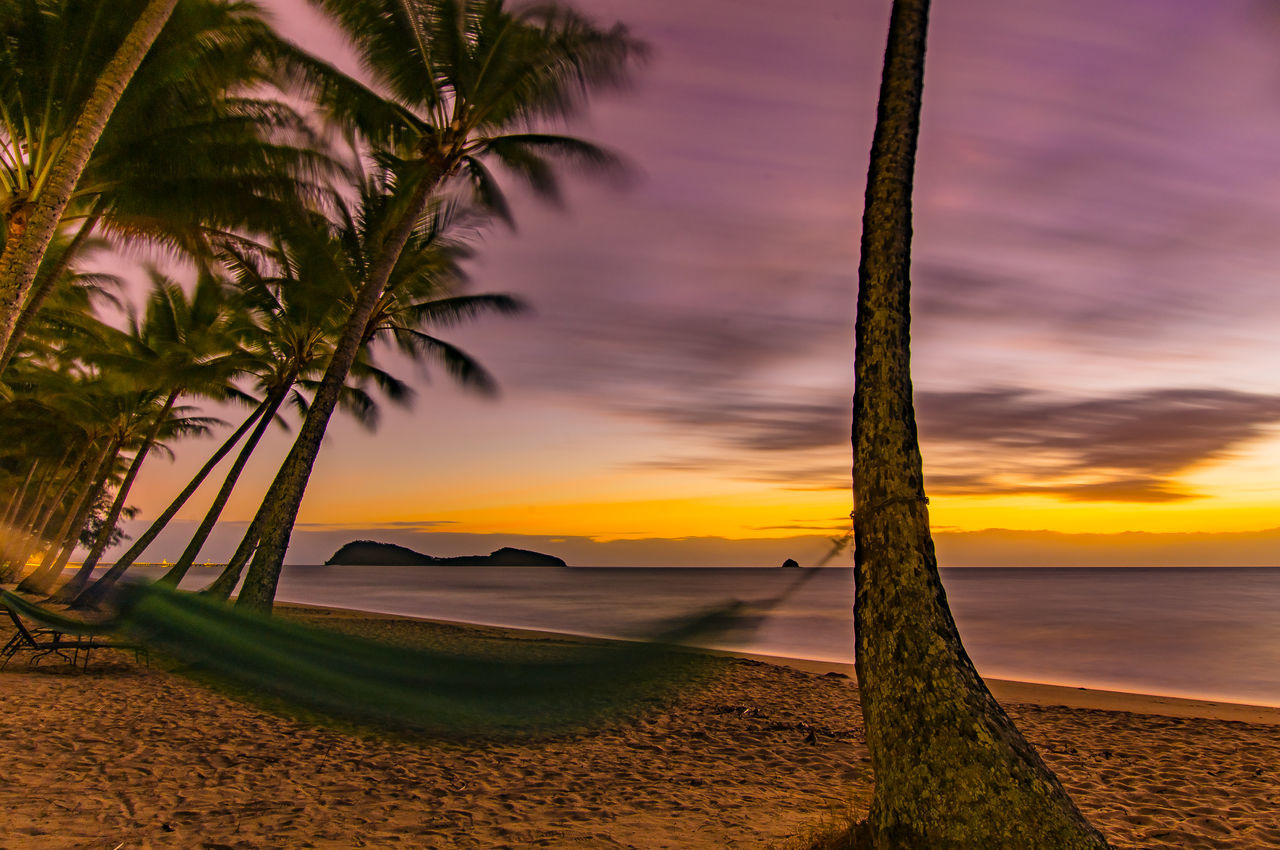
(1205, 633)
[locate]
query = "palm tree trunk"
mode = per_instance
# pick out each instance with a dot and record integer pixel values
(99, 588)
(36, 297)
(230, 575)
(44, 576)
(14, 506)
(21, 509)
(13, 534)
(32, 227)
(86, 471)
(47, 505)
(29, 515)
(284, 497)
(44, 508)
(72, 589)
(188, 557)
(951, 769)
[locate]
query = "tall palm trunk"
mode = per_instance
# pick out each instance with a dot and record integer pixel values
(32, 226)
(18, 499)
(45, 508)
(14, 532)
(33, 511)
(72, 589)
(284, 497)
(230, 575)
(23, 508)
(42, 579)
(951, 769)
(94, 594)
(36, 297)
(42, 534)
(188, 556)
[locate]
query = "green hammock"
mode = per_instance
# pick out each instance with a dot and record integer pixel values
(438, 692)
(55, 621)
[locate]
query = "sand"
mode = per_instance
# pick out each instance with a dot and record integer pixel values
(129, 757)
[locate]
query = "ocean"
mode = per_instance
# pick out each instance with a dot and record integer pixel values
(1206, 633)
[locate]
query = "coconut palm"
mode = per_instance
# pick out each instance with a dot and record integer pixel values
(193, 149)
(181, 346)
(287, 333)
(49, 385)
(951, 768)
(42, 45)
(109, 409)
(330, 262)
(454, 83)
(50, 448)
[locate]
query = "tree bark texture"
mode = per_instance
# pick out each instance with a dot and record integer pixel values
(36, 296)
(285, 494)
(20, 259)
(951, 769)
(227, 580)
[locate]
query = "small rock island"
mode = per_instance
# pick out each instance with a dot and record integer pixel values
(370, 553)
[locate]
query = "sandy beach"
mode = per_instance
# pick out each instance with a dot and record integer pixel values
(129, 757)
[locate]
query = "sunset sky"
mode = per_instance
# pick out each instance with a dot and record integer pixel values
(1096, 295)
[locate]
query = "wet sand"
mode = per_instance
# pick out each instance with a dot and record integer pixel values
(130, 757)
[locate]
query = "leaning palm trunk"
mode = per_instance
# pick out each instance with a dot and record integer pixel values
(951, 769)
(70, 592)
(46, 507)
(230, 575)
(24, 507)
(285, 494)
(12, 533)
(44, 576)
(41, 291)
(18, 500)
(94, 594)
(188, 556)
(32, 226)
(43, 505)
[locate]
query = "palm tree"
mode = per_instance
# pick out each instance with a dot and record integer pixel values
(107, 407)
(182, 346)
(264, 408)
(464, 80)
(192, 150)
(321, 269)
(43, 189)
(287, 332)
(951, 768)
(57, 397)
(50, 448)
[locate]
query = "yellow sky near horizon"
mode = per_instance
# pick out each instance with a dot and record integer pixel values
(1237, 494)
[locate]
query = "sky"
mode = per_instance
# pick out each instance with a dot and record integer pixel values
(1096, 300)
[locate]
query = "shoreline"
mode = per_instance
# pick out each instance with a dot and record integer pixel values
(759, 755)
(1004, 690)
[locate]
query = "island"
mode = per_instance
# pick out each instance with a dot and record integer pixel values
(373, 554)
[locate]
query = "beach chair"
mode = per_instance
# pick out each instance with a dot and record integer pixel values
(57, 635)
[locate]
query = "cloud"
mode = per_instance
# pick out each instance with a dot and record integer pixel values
(1112, 448)
(1097, 199)
(998, 440)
